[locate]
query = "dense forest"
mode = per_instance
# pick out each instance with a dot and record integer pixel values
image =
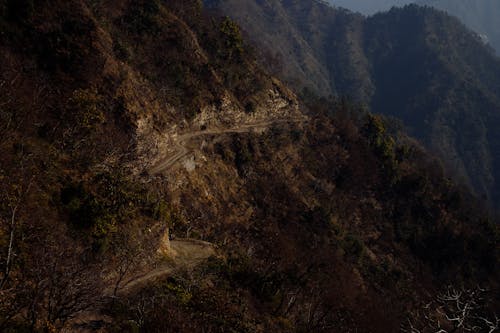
(154, 177)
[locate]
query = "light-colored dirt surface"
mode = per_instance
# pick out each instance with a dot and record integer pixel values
(184, 253)
(181, 142)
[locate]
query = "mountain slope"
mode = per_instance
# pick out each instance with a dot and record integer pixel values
(305, 36)
(153, 177)
(480, 15)
(438, 78)
(413, 63)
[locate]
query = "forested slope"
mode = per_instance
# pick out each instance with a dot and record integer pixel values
(315, 218)
(416, 64)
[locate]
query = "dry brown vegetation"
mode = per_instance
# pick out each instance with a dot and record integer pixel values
(329, 225)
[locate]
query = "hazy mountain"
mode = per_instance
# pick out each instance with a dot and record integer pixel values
(417, 64)
(481, 16)
(369, 7)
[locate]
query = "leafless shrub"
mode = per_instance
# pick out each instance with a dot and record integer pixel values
(455, 310)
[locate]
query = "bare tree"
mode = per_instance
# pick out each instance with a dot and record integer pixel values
(455, 310)
(129, 254)
(62, 286)
(14, 201)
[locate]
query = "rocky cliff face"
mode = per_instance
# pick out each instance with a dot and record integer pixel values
(275, 104)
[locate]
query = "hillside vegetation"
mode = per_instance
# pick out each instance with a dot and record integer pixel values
(315, 215)
(416, 64)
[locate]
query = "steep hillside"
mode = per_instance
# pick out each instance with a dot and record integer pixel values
(153, 178)
(480, 15)
(416, 64)
(319, 47)
(93, 94)
(347, 231)
(436, 77)
(302, 57)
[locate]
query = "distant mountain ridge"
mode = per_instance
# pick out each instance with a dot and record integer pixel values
(479, 15)
(369, 7)
(414, 63)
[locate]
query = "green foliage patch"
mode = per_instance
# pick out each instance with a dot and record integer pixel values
(233, 42)
(101, 206)
(382, 143)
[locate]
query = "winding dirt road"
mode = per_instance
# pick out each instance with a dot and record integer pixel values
(186, 253)
(181, 142)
